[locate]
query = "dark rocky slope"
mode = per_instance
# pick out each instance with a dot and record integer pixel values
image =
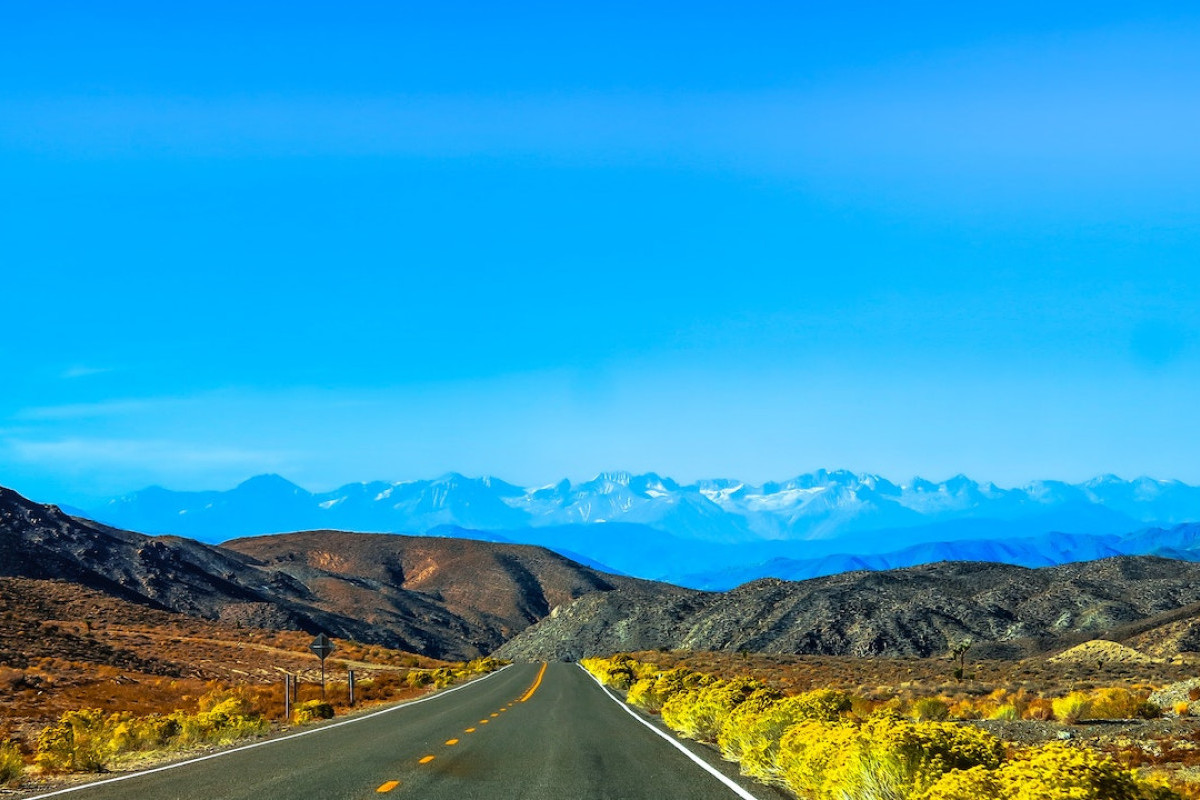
(1008, 611)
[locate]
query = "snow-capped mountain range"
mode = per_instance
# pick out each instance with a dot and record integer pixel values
(680, 532)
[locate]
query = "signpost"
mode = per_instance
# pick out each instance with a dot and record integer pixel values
(322, 646)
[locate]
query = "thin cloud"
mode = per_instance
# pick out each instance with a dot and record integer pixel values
(81, 371)
(167, 456)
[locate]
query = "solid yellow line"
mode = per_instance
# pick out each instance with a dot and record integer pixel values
(387, 787)
(470, 730)
(536, 684)
(426, 759)
(451, 741)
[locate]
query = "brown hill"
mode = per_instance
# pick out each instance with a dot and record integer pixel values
(447, 598)
(431, 590)
(1007, 611)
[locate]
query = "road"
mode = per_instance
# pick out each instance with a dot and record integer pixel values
(535, 732)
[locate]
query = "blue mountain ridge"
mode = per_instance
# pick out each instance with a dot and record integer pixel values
(711, 534)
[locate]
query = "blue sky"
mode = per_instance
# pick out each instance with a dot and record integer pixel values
(384, 241)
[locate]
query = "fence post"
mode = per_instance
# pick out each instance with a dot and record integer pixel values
(287, 697)
(351, 682)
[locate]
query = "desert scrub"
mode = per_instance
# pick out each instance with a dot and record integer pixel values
(223, 718)
(886, 758)
(1072, 708)
(1005, 712)
(930, 709)
(88, 740)
(893, 758)
(752, 734)
(700, 714)
(1050, 772)
(312, 710)
(1119, 703)
(808, 752)
(11, 763)
(652, 691)
(81, 741)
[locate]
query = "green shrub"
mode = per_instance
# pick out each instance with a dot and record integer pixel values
(11, 763)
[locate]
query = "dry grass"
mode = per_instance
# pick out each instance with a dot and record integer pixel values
(64, 648)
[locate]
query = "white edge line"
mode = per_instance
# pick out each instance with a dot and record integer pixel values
(709, 768)
(277, 740)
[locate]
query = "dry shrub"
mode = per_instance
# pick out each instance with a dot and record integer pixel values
(11, 763)
(930, 709)
(1072, 708)
(311, 711)
(1118, 703)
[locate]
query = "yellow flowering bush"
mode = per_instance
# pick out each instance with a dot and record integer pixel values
(89, 739)
(807, 753)
(1072, 708)
(11, 763)
(700, 714)
(1049, 772)
(651, 691)
(890, 758)
(79, 742)
(752, 734)
(814, 746)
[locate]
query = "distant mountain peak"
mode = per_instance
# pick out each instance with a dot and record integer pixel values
(269, 482)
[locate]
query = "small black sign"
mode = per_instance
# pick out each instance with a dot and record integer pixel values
(322, 646)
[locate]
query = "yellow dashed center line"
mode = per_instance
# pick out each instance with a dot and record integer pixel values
(450, 742)
(536, 684)
(387, 787)
(427, 759)
(470, 730)
(484, 721)
(495, 715)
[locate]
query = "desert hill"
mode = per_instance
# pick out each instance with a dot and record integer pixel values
(452, 598)
(1008, 611)
(438, 597)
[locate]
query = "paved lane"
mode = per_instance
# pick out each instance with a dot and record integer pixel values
(531, 731)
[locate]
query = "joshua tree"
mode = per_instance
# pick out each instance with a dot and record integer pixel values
(958, 654)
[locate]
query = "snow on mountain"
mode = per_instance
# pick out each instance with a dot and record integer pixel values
(652, 526)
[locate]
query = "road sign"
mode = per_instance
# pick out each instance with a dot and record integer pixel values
(322, 646)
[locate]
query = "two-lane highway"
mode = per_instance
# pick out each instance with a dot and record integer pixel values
(541, 732)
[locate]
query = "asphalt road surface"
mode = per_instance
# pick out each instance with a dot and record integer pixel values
(536, 732)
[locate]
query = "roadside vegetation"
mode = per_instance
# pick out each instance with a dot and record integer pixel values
(834, 744)
(98, 740)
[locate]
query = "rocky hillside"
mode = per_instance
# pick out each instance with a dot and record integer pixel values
(438, 597)
(456, 599)
(1008, 611)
